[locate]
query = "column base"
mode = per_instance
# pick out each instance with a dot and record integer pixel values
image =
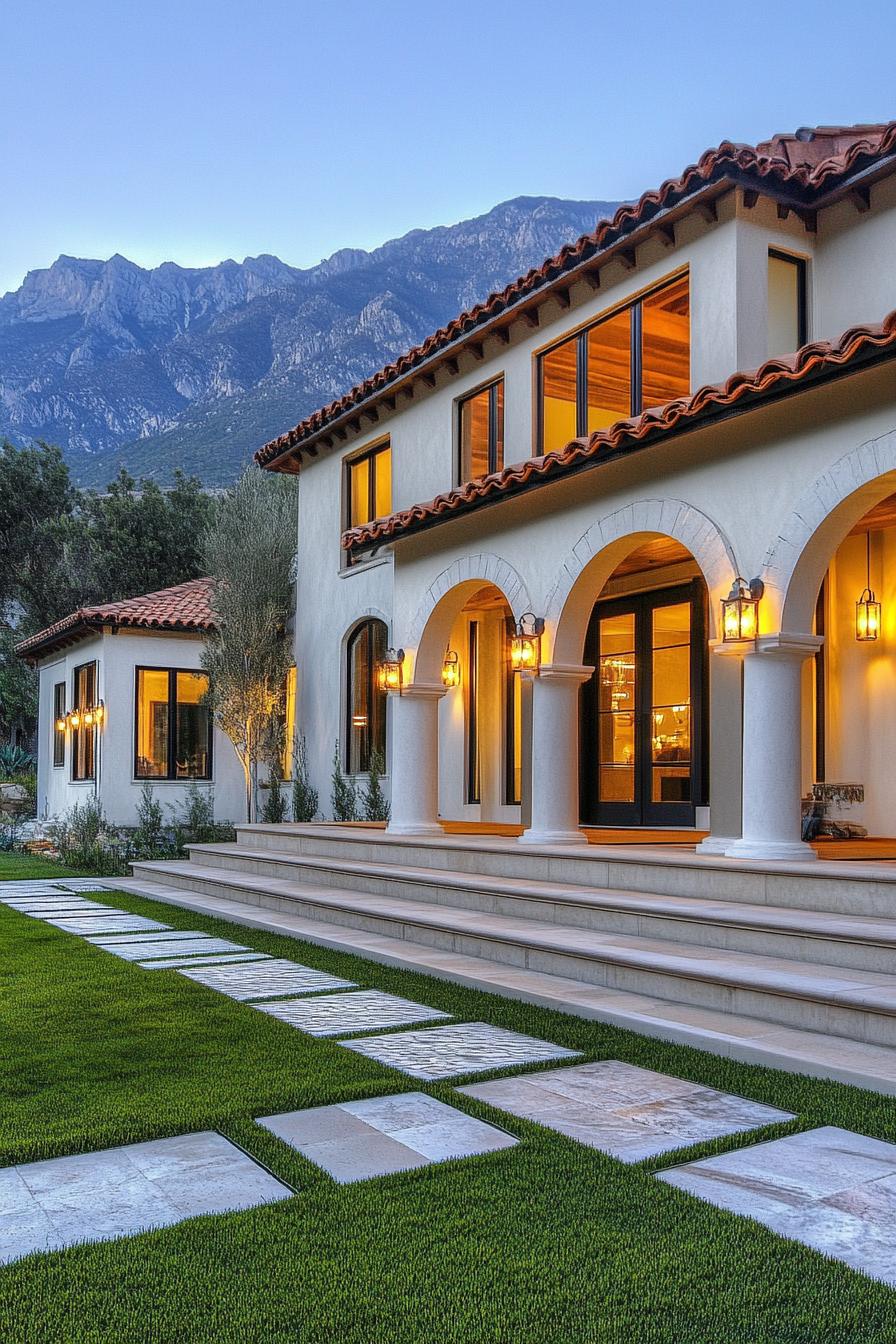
(423, 829)
(797, 850)
(536, 837)
(717, 844)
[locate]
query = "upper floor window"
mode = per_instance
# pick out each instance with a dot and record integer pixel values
(59, 718)
(481, 431)
(365, 702)
(84, 736)
(369, 486)
(638, 356)
(787, 317)
(173, 728)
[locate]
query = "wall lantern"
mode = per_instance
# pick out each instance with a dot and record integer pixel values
(867, 608)
(525, 643)
(450, 669)
(87, 716)
(61, 725)
(389, 671)
(740, 611)
(75, 719)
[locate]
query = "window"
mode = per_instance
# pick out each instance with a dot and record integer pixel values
(369, 486)
(59, 717)
(365, 702)
(173, 733)
(637, 357)
(787, 328)
(481, 432)
(84, 736)
(289, 723)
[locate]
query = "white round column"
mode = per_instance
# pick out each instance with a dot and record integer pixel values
(771, 755)
(555, 757)
(415, 761)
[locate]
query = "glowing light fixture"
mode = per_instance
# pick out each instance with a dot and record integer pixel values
(61, 725)
(75, 718)
(450, 669)
(525, 643)
(867, 607)
(389, 675)
(740, 611)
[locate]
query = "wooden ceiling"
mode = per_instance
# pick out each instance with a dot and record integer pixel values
(881, 516)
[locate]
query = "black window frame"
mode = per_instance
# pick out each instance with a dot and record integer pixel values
(473, 763)
(58, 734)
(493, 464)
(368, 627)
(802, 292)
(81, 701)
(634, 307)
(172, 777)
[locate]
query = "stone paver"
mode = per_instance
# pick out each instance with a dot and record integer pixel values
(277, 976)
(171, 947)
(40, 906)
(115, 922)
(120, 1191)
(828, 1188)
(359, 1139)
(129, 939)
(628, 1112)
(443, 1052)
(225, 958)
(335, 1014)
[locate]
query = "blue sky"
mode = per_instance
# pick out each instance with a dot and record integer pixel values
(194, 131)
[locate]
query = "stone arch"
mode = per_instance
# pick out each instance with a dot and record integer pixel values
(446, 595)
(596, 554)
(797, 559)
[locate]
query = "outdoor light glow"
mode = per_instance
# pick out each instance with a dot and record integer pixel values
(525, 643)
(75, 719)
(450, 669)
(389, 672)
(867, 607)
(60, 725)
(740, 611)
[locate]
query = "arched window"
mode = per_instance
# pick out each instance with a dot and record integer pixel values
(365, 703)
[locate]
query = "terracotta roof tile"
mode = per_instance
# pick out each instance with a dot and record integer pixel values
(799, 168)
(817, 362)
(187, 606)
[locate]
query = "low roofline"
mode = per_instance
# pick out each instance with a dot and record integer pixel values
(781, 168)
(818, 363)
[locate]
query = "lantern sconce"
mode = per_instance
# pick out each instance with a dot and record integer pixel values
(450, 669)
(88, 716)
(740, 611)
(389, 673)
(74, 719)
(525, 643)
(61, 724)
(867, 607)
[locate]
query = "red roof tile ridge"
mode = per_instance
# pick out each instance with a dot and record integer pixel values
(774, 157)
(777, 372)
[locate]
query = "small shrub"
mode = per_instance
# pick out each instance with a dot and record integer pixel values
(274, 810)
(304, 796)
(345, 795)
(148, 837)
(373, 800)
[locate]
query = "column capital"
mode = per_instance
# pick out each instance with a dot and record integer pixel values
(420, 690)
(784, 644)
(569, 672)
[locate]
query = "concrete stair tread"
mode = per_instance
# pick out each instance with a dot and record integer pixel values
(737, 1036)
(782, 919)
(855, 989)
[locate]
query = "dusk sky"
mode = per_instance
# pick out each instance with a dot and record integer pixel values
(204, 129)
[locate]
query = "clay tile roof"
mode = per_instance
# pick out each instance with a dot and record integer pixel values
(802, 169)
(186, 607)
(820, 361)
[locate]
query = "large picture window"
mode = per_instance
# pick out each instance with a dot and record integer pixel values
(637, 357)
(365, 702)
(173, 731)
(84, 736)
(59, 717)
(481, 432)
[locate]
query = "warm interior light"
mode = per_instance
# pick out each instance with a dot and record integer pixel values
(525, 643)
(450, 669)
(389, 671)
(359, 720)
(867, 607)
(740, 611)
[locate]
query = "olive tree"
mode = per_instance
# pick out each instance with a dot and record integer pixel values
(250, 550)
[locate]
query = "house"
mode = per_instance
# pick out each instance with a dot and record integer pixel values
(606, 569)
(121, 704)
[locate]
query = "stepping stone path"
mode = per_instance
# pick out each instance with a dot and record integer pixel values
(45, 1206)
(442, 1052)
(275, 977)
(115, 922)
(225, 958)
(199, 943)
(628, 1112)
(336, 1014)
(359, 1139)
(827, 1188)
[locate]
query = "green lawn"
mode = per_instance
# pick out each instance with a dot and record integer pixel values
(547, 1242)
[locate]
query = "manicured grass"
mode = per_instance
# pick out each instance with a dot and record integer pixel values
(546, 1243)
(19, 867)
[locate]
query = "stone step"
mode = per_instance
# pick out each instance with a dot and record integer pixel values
(733, 1035)
(839, 888)
(860, 942)
(859, 1005)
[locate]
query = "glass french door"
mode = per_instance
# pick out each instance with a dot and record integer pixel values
(643, 732)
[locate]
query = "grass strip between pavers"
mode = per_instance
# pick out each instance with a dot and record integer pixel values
(547, 1242)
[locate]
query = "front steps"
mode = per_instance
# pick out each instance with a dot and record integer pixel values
(774, 964)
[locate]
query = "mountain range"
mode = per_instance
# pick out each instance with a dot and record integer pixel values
(196, 367)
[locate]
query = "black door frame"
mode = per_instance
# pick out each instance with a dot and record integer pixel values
(643, 812)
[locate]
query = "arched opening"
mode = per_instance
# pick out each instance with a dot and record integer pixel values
(365, 703)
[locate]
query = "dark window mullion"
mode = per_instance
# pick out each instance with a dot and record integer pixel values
(637, 359)
(581, 384)
(493, 428)
(172, 725)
